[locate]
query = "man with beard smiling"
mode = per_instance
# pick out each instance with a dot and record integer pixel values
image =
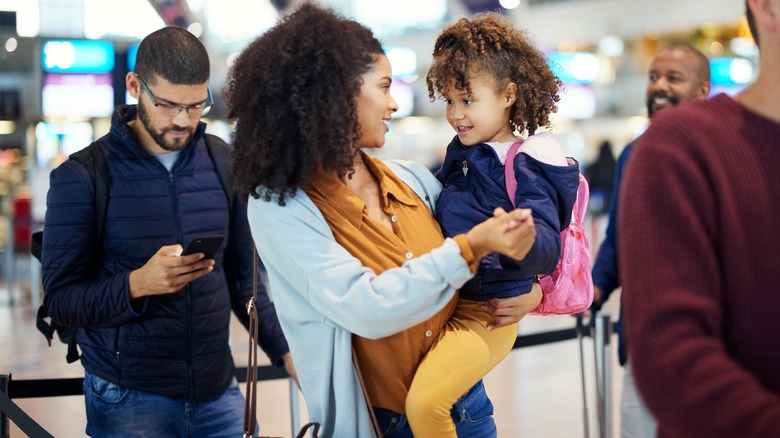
(678, 73)
(153, 324)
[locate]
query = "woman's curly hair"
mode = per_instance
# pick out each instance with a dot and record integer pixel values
(489, 43)
(291, 94)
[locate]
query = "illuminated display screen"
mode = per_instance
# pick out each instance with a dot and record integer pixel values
(578, 102)
(54, 141)
(66, 95)
(574, 67)
(403, 94)
(132, 53)
(77, 56)
(731, 71)
(403, 61)
(730, 75)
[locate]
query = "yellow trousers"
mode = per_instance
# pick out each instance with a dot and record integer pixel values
(464, 353)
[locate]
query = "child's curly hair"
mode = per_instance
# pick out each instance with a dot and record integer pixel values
(489, 43)
(291, 94)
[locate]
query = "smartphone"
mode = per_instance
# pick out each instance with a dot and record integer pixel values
(208, 245)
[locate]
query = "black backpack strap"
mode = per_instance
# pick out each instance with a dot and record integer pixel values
(219, 151)
(91, 157)
(36, 245)
(73, 352)
(66, 334)
(43, 326)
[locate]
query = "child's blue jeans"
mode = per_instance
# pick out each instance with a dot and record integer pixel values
(472, 414)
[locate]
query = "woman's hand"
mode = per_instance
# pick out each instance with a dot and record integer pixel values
(512, 234)
(507, 311)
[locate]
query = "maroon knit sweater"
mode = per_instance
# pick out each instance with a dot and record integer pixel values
(700, 267)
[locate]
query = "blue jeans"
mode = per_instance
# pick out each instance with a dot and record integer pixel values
(472, 414)
(114, 411)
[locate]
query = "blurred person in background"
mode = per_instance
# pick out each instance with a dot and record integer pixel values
(601, 178)
(679, 73)
(699, 256)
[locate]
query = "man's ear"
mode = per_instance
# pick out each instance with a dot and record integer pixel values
(510, 94)
(704, 90)
(766, 14)
(133, 85)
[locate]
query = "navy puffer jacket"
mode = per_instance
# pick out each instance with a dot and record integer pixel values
(176, 344)
(470, 197)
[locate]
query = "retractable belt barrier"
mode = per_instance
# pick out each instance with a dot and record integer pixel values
(10, 389)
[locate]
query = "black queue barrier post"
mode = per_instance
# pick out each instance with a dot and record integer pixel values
(10, 411)
(4, 428)
(602, 350)
(606, 373)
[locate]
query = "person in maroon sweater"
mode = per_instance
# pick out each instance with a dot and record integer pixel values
(700, 254)
(678, 73)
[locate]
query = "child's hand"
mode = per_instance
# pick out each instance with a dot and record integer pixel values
(507, 311)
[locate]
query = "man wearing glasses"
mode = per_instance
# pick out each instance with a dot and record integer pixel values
(153, 324)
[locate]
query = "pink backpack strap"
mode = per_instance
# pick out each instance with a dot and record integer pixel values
(509, 171)
(583, 196)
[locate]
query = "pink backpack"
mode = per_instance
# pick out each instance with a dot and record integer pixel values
(569, 289)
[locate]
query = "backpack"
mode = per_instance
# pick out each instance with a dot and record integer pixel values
(569, 289)
(91, 157)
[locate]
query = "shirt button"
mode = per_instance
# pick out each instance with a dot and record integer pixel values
(409, 255)
(428, 333)
(394, 218)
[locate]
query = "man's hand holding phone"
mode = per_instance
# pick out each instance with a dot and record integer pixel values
(208, 245)
(172, 267)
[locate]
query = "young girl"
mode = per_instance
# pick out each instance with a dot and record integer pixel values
(495, 85)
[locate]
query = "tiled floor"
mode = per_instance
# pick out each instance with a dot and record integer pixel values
(536, 391)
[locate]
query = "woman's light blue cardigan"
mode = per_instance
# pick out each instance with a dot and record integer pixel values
(323, 295)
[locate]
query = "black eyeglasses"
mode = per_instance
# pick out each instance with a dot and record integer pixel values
(172, 109)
